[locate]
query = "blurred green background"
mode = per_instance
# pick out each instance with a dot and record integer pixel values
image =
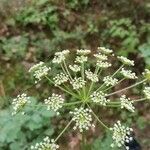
(33, 30)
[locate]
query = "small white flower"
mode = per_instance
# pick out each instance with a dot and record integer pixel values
(102, 64)
(146, 92)
(127, 103)
(46, 144)
(82, 118)
(128, 74)
(105, 50)
(77, 83)
(60, 78)
(121, 135)
(55, 102)
(75, 68)
(126, 61)
(83, 51)
(108, 80)
(99, 97)
(81, 59)
(60, 56)
(101, 57)
(19, 102)
(91, 76)
(39, 70)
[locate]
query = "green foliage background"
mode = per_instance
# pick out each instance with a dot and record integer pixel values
(33, 30)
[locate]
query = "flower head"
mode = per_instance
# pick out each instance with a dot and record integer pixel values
(121, 135)
(60, 56)
(19, 102)
(146, 92)
(39, 70)
(101, 57)
(60, 78)
(108, 80)
(102, 64)
(91, 76)
(82, 118)
(83, 51)
(105, 50)
(55, 102)
(147, 74)
(46, 144)
(128, 74)
(99, 97)
(77, 83)
(126, 61)
(127, 103)
(81, 59)
(75, 68)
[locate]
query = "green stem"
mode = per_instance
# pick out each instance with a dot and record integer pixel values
(117, 70)
(63, 89)
(63, 130)
(83, 77)
(72, 103)
(127, 87)
(67, 70)
(98, 118)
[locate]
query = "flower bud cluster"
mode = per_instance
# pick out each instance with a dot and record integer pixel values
(19, 102)
(110, 81)
(83, 51)
(128, 74)
(82, 118)
(55, 102)
(60, 56)
(99, 97)
(146, 92)
(91, 76)
(127, 103)
(46, 144)
(75, 68)
(77, 83)
(121, 135)
(81, 59)
(105, 50)
(39, 70)
(126, 61)
(60, 78)
(102, 64)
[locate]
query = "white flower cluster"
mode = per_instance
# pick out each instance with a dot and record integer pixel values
(91, 76)
(60, 56)
(39, 70)
(146, 92)
(19, 102)
(99, 97)
(81, 59)
(75, 68)
(128, 74)
(60, 78)
(126, 61)
(77, 83)
(82, 118)
(102, 64)
(108, 80)
(105, 50)
(83, 51)
(127, 103)
(101, 57)
(46, 144)
(121, 135)
(147, 74)
(55, 102)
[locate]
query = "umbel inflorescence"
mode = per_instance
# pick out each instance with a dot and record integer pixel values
(89, 86)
